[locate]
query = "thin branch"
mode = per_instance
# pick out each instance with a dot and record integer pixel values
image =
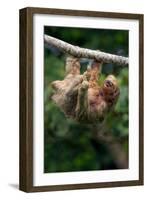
(85, 53)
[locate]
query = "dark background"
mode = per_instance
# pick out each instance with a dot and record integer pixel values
(69, 146)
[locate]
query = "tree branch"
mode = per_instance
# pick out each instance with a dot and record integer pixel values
(85, 53)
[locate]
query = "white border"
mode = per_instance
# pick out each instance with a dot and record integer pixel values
(40, 178)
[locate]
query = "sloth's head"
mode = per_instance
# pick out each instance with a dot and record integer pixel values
(111, 89)
(110, 83)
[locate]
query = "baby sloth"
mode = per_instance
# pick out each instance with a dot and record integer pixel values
(81, 97)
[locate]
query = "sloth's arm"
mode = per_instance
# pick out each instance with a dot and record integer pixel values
(82, 102)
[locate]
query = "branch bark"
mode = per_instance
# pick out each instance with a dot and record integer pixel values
(85, 53)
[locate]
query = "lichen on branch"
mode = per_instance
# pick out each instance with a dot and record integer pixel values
(79, 52)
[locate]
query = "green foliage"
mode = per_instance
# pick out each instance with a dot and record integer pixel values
(69, 146)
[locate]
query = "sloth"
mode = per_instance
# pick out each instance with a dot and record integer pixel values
(81, 97)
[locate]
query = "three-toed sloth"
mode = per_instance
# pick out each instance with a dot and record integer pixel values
(80, 96)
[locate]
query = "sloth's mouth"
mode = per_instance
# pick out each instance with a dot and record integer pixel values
(108, 84)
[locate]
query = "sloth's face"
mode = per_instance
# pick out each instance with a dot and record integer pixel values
(110, 83)
(111, 89)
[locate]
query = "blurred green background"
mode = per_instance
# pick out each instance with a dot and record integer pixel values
(69, 146)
